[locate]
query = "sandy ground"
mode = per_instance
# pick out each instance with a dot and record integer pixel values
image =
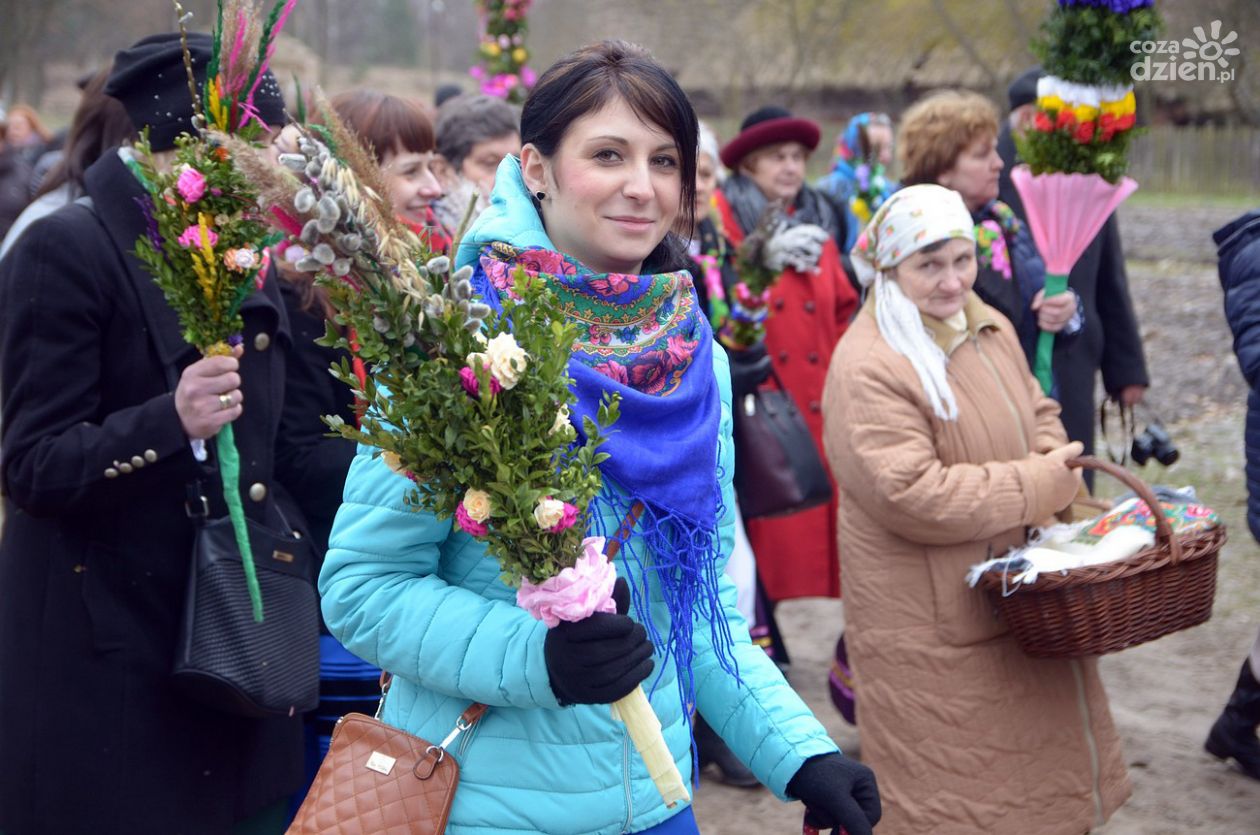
(1166, 694)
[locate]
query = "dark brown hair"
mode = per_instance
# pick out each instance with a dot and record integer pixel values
(584, 81)
(386, 123)
(100, 122)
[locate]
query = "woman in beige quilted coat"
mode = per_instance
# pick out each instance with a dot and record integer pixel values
(945, 451)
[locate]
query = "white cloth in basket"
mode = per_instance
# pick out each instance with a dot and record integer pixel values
(1053, 549)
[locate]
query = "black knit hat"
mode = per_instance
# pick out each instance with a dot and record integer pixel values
(149, 79)
(1023, 90)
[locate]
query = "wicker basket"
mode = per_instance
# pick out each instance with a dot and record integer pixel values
(1105, 608)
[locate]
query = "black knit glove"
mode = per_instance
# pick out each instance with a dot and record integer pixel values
(600, 659)
(837, 792)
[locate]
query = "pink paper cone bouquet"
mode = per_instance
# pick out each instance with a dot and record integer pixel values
(1075, 151)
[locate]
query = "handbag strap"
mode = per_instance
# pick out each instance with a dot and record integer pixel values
(466, 720)
(1128, 429)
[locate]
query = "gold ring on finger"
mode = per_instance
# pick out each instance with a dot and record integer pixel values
(225, 401)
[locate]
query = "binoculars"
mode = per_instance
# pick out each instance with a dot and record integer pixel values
(1154, 442)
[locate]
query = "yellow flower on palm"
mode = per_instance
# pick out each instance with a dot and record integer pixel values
(216, 112)
(1051, 103)
(204, 263)
(861, 210)
(1123, 107)
(519, 55)
(1085, 113)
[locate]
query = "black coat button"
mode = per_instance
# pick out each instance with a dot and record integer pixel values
(815, 406)
(813, 357)
(783, 356)
(809, 306)
(778, 304)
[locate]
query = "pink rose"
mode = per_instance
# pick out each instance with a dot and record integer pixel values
(468, 379)
(575, 593)
(467, 524)
(191, 185)
(567, 520)
(191, 238)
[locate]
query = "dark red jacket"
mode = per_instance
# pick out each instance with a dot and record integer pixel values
(798, 555)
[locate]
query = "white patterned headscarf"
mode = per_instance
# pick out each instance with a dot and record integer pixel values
(913, 218)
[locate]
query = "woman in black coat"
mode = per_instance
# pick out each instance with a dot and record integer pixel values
(101, 398)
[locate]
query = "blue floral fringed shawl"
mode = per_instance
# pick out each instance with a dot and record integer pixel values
(646, 340)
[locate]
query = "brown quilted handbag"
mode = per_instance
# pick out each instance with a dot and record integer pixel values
(378, 780)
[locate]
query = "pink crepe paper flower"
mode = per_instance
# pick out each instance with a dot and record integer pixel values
(467, 523)
(575, 593)
(191, 185)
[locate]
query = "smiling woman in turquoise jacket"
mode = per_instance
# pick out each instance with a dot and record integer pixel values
(606, 173)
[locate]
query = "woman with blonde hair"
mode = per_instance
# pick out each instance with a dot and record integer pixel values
(950, 138)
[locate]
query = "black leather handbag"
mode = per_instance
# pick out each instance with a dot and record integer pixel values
(778, 470)
(225, 659)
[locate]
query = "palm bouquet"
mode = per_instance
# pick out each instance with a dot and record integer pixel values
(205, 243)
(740, 322)
(1076, 150)
(472, 406)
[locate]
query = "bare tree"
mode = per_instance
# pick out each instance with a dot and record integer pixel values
(814, 29)
(965, 43)
(21, 35)
(1244, 91)
(1022, 30)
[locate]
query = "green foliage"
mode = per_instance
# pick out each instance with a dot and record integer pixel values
(1090, 45)
(203, 291)
(1047, 153)
(500, 442)
(417, 325)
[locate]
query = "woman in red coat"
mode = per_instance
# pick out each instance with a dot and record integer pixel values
(810, 307)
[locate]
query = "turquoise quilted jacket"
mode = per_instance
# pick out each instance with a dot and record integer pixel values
(417, 598)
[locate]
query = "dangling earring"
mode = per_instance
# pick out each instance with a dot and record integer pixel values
(541, 195)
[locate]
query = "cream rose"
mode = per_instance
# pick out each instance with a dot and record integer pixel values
(562, 420)
(477, 505)
(548, 513)
(507, 360)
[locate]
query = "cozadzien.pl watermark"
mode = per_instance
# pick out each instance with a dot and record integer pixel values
(1205, 57)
